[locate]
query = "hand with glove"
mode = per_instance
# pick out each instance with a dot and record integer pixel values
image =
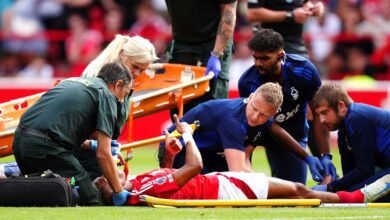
(115, 147)
(315, 167)
(214, 64)
(330, 169)
(120, 199)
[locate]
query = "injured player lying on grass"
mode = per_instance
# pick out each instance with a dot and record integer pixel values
(187, 183)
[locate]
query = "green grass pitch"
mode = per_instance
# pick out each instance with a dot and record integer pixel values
(145, 159)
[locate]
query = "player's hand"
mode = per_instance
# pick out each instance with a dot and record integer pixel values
(214, 65)
(330, 169)
(182, 127)
(120, 199)
(318, 9)
(172, 145)
(302, 14)
(322, 188)
(315, 167)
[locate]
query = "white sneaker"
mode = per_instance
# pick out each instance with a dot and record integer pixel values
(377, 189)
(2, 171)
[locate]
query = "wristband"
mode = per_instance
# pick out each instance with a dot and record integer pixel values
(187, 137)
(289, 17)
(216, 54)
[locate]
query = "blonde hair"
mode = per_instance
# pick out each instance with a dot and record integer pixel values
(272, 94)
(137, 49)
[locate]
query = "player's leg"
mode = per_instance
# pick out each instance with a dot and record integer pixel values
(282, 189)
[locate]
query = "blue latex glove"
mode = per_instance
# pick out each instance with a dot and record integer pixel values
(120, 198)
(330, 169)
(94, 145)
(315, 167)
(322, 188)
(115, 147)
(213, 64)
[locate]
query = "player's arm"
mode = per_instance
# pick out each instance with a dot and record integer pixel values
(106, 163)
(289, 143)
(226, 26)
(236, 160)
(248, 154)
(193, 162)
(284, 139)
(261, 14)
(172, 147)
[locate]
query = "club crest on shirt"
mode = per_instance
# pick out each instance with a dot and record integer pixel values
(257, 137)
(294, 93)
(160, 180)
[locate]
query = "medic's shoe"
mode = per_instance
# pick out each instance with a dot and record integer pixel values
(377, 189)
(2, 171)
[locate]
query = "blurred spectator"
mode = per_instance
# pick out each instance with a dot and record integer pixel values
(351, 16)
(4, 5)
(128, 6)
(83, 44)
(23, 32)
(113, 23)
(38, 68)
(242, 57)
(376, 21)
(151, 26)
(321, 31)
(9, 65)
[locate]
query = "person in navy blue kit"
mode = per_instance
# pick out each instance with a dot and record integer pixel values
(363, 137)
(299, 80)
(228, 126)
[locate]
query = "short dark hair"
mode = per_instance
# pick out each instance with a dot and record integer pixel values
(112, 72)
(266, 40)
(332, 94)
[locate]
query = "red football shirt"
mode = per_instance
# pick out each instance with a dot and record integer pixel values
(160, 183)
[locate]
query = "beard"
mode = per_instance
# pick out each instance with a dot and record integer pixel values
(269, 74)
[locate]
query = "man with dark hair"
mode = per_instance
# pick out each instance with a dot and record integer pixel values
(228, 126)
(186, 182)
(55, 127)
(299, 80)
(287, 17)
(363, 137)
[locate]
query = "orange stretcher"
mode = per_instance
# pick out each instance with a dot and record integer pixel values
(161, 87)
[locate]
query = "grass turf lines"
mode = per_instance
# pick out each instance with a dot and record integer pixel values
(145, 159)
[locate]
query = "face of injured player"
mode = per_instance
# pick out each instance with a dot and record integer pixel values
(105, 189)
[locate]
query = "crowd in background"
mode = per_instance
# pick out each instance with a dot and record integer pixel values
(58, 38)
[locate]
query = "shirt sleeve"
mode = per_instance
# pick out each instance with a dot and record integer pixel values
(248, 82)
(106, 113)
(315, 80)
(361, 141)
